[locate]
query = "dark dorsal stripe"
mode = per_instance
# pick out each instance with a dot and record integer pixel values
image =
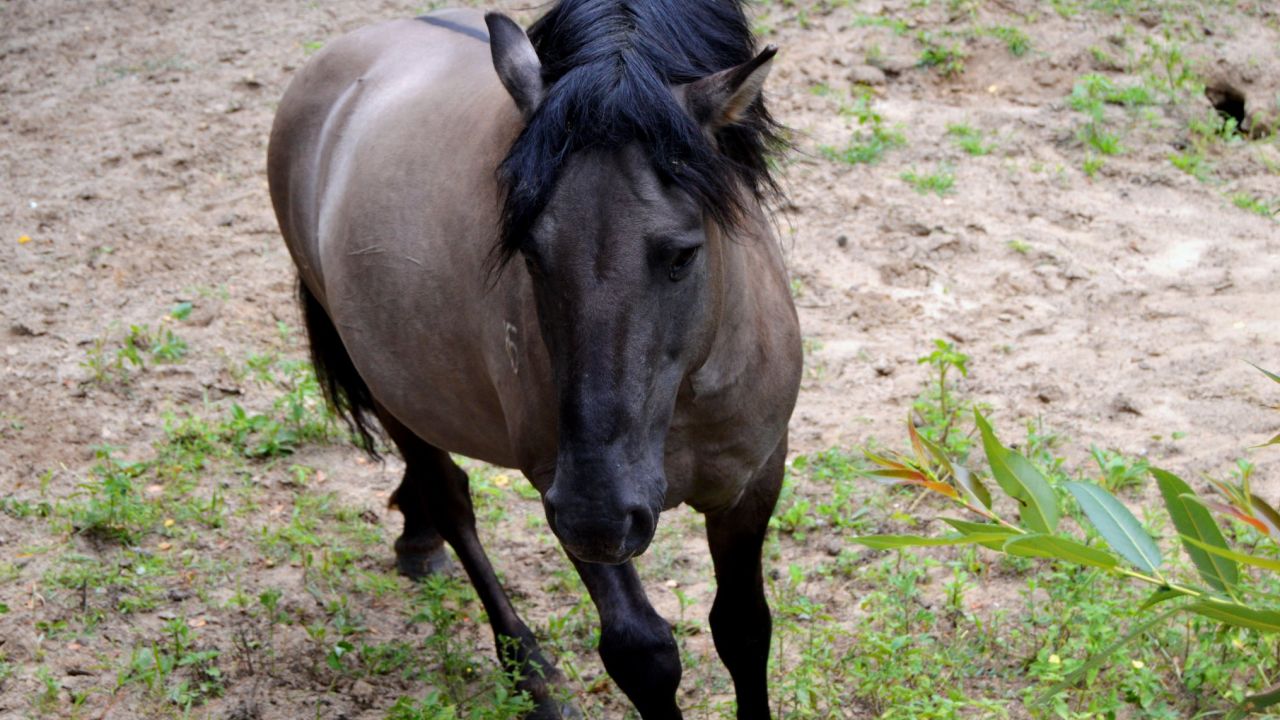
(456, 27)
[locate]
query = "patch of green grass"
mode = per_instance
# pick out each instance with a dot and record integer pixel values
(467, 685)
(1117, 472)
(946, 58)
(969, 139)
(831, 498)
(1092, 90)
(898, 26)
(1100, 140)
(175, 668)
(111, 503)
(1092, 164)
(1255, 204)
(820, 89)
(114, 361)
(127, 583)
(872, 139)
(1014, 39)
(939, 182)
(1194, 163)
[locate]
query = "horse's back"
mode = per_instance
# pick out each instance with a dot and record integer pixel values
(396, 91)
(381, 167)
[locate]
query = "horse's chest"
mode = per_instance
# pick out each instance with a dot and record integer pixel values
(710, 464)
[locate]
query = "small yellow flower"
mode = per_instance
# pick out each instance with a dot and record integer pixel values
(501, 480)
(24, 239)
(1055, 660)
(168, 522)
(1138, 664)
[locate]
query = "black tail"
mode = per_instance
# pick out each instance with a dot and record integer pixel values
(344, 389)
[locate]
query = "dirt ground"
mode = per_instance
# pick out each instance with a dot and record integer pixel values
(1121, 307)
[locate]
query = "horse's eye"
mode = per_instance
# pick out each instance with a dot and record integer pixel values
(682, 260)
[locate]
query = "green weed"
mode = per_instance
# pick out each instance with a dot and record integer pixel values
(872, 139)
(939, 182)
(112, 362)
(947, 59)
(1014, 39)
(1255, 204)
(1118, 473)
(175, 668)
(113, 506)
(969, 139)
(939, 408)
(1092, 164)
(1194, 163)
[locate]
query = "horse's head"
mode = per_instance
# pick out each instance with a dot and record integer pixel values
(623, 279)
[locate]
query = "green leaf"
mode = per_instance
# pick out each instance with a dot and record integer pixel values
(894, 542)
(1192, 520)
(895, 473)
(1266, 513)
(1021, 480)
(1268, 373)
(1117, 525)
(181, 311)
(1094, 661)
(972, 486)
(1161, 595)
(1059, 548)
(1256, 702)
(1237, 615)
(1273, 441)
(1254, 560)
(937, 452)
(969, 528)
(975, 528)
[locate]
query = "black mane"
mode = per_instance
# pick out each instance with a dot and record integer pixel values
(608, 66)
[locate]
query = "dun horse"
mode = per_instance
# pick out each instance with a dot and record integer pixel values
(643, 353)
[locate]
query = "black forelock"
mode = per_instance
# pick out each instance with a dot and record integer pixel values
(608, 67)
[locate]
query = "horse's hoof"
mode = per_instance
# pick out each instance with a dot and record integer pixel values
(417, 562)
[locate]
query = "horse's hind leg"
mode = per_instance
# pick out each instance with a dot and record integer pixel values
(441, 499)
(420, 548)
(740, 621)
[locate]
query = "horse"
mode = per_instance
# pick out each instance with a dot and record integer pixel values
(646, 351)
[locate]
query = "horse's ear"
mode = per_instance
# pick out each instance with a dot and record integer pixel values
(723, 98)
(516, 62)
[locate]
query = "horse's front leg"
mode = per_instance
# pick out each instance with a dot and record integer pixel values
(740, 622)
(637, 646)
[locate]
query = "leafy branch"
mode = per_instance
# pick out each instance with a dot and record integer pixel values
(1221, 593)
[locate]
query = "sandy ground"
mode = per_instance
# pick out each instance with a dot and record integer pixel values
(1121, 308)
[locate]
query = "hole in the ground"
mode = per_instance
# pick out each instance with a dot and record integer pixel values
(1228, 101)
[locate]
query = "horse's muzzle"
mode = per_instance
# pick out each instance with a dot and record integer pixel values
(595, 535)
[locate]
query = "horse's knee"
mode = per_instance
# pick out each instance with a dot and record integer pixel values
(742, 619)
(742, 630)
(642, 657)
